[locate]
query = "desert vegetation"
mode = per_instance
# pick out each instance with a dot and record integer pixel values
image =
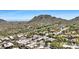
(42, 32)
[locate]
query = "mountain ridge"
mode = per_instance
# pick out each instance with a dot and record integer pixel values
(48, 19)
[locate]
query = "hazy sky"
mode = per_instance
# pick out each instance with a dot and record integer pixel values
(25, 15)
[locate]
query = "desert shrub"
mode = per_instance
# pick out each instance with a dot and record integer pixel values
(50, 35)
(61, 38)
(77, 41)
(56, 44)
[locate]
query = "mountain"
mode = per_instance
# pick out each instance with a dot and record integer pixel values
(46, 20)
(2, 20)
(75, 20)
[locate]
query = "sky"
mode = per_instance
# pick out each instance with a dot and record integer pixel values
(26, 15)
